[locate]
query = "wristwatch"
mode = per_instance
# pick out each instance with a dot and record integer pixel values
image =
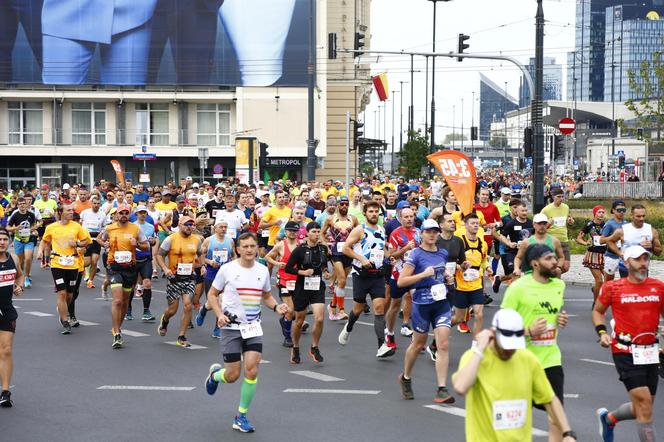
(569, 433)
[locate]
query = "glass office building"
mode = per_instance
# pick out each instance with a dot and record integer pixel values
(494, 103)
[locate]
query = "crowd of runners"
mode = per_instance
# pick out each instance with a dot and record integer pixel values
(401, 250)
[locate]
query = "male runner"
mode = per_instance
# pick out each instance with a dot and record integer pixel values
(638, 232)
(11, 284)
(46, 207)
(257, 215)
(637, 303)
(366, 245)
(22, 223)
(275, 217)
(93, 220)
(612, 262)
(559, 218)
(493, 221)
(242, 285)
(144, 263)
(235, 218)
(541, 236)
(512, 234)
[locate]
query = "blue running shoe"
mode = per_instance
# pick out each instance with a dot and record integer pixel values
(216, 333)
(200, 317)
(605, 429)
(210, 384)
(27, 283)
(242, 424)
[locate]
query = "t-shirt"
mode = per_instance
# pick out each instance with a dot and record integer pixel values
(93, 221)
(595, 231)
(491, 401)
(475, 253)
(491, 215)
(420, 260)
(558, 219)
(164, 210)
(271, 215)
(517, 231)
(609, 227)
(149, 232)
(46, 208)
(503, 207)
(243, 290)
(534, 300)
(80, 206)
(63, 255)
(398, 240)
(213, 207)
(24, 221)
(635, 308)
(454, 247)
(235, 219)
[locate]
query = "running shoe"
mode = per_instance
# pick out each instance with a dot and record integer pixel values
(73, 321)
(139, 291)
(305, 326)
(129, 316)
(147, 316)
(406, 330)
(366, 310)
(605, 429)
(463, 327)
(443, 396)
(182, 342)
(155, 275)
(314, 352)
(117, 341)
(27, 283)
(390, 341)
(496, 284)
(332, 313)
(288, 342)
(342, 316)
(295, 355)
(163, 326)
(216, 332)
(242, 424)
(344, 336)
(384, 351)
(66, 328)
(200, 317)
(406, 387)
(90, 284)
(6, 399)
(104, 293)
(487, 299)
(210, 384)
(432, 351)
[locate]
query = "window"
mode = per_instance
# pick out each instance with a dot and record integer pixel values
(88, 119)
(214, 124)
(152, 124)
(25, 123)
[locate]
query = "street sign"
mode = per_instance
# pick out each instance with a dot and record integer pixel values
(217, 169)
(145, 156)
(621, 153)
(567, 126)
(144, 178)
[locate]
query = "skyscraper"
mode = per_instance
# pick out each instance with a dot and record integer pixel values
(494, 103)
(553, 82)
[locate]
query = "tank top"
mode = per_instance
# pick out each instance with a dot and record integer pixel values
(183, 250)
(548, 241)
(371, 246)
(283, 276)
(633, 236)
(7, 278)
(338, 232)
(220, 252)
(119, 243)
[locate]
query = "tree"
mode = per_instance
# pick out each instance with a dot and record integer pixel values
(413, 156)
(647, 86)
(498, 140)
(454, 137)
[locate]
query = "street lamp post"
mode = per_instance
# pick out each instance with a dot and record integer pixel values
(433, 80)
(538, 128)
(401, 116)
(392, 157)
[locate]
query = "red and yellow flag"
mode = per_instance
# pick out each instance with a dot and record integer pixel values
(459, 174)
(380, 83)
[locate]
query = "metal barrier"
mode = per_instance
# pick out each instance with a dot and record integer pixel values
(637, 190)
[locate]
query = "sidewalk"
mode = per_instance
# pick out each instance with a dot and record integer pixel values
(579, 275)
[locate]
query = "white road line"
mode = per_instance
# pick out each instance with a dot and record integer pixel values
(28, 299)
(329, 391)
(593, 361)
(263, 361)
(571, 396)
(87, 323)
(40, 314)
(317, 376)
(144, 388)
(578, 300)
(133, 333)
(17, 306)
(103, 299)
(192, 347)
(456, 411)
(159, 291)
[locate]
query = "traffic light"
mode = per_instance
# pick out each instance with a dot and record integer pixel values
(462, 45)
(474, 133)
(559, 147)
(528, 142)
(621, 162)
(263, 153)
(359, 44)
(639, 133)
(358, 133)
(332, 45)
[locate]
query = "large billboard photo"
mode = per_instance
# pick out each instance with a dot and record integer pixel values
(154, 42)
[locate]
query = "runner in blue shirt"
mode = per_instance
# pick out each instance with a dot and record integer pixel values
(612, 262)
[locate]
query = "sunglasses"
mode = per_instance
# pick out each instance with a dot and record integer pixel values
(124, 212)
(510, 333)
(622, 210)
(343, 204)
(188, 224)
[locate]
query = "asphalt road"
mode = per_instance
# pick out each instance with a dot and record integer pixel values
(77, 388)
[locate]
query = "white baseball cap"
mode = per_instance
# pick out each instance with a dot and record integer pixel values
(509, 329)
(540, 218)
(506, 191)
(635, 252)
(430, 224)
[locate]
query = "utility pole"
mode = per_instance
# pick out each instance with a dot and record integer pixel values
(411, 111)
(433, 84)
(472, 125)
(311, 72)
(392, 157)
(401, 118)
(538, 128)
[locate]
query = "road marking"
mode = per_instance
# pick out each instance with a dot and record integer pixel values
(87, 323)
(17, 306)
(578, 300)
(28, 299)
(40, 314)
(133, 333)
(143, 388)
(593, 361)
(192, 347)
(329, 391)
(103, 299)
(571, 396)
(265, 362)
(456, 411)
(159, 291)
(317, 376)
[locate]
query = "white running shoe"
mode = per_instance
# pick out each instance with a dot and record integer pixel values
(384, 351)
(344, 336)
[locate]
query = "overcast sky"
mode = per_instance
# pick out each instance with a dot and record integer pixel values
(504, 27)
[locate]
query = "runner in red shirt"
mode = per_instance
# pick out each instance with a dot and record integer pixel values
(493, 221)
(636, 302)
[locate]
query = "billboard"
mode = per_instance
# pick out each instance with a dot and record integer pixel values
(154, 42)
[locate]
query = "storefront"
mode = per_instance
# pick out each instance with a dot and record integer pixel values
(282, 168)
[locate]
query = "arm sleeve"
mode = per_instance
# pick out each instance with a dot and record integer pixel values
(294, 258)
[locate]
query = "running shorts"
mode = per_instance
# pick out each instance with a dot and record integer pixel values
(144, 268)
(93, 248)
(436, 314)
(556, 377)
(20, 247)
(233, 346)
(397, 292)
(374, 287)
(343, 259)
(126, 276)
(635, 376)
(64, 279)
(175, 288)
(8, 316)
(462, 299)
(593, 260)
(304, 298)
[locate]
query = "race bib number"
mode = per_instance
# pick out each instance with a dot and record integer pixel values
(290, 285)
(317, 212)
(471, 275)
(391, 213)
(340, 246)
(265, 234)
(377, 256)
(251, 330)
(450, 268)
(546, 339)
(312, 282)
(122, 257)
(517, 228)
(24, 233)
(559, 221)
(284, 290)
(91, 225)
(220, 256)
(185, 269)
(365, 192)
(232, 233)
(488, 230)
(7, 277)
(645, 354)
(438, 292)
(66, 260)
(214, 213)
(508, 415)
(596, 239)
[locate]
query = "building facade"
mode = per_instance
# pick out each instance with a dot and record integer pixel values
(553, 82)
(495, 102)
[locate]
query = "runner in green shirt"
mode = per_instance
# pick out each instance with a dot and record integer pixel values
(559, 218)
(538, 298)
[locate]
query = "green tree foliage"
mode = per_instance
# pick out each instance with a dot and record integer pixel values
(648, 86)
(414, 155)
(454, 137)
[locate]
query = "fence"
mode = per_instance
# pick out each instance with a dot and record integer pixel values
(637, 190)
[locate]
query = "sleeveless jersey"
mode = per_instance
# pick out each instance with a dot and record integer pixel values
(371, 246)
(283, 276)
(7, 278)
(220, 252)
(548, 241)
(338, 232)
(633, 236)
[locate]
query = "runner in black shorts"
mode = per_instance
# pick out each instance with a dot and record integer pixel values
(11, 283)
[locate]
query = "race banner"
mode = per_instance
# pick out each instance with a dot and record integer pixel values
(119, 174)
(459, 174)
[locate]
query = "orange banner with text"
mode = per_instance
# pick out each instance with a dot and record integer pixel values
(119, 174)
(459, 174)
